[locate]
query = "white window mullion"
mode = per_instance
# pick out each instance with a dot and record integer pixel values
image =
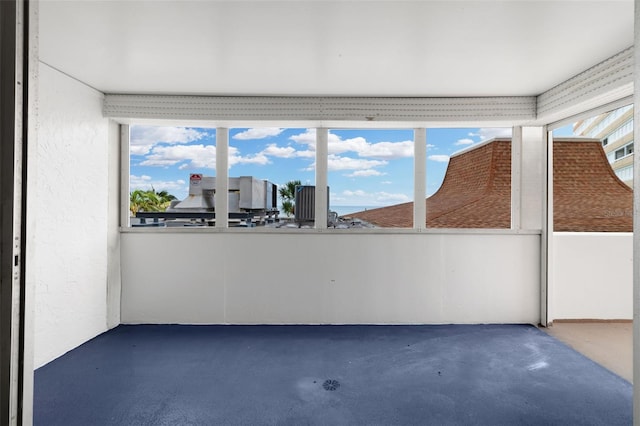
(222, 177)
(547, 264)
(125, 175)
(516, 177)
(636, 224)
(419, 178)
(322, 164)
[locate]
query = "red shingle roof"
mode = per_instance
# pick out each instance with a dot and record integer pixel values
(587, 195)
(476, 192)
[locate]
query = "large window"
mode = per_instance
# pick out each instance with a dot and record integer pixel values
(370, 170)
(587, 196)
(615, 130)
(161, 161)
(371, 177)
(469, 178)
(468, 173)
(623, 151)
(279, 158)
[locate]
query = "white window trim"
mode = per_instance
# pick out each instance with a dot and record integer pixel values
(420, 185)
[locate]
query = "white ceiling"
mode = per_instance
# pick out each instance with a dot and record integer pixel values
(331, 48)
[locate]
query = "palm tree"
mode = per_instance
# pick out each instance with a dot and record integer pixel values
(149, 201)
(165, 198)
(288, 195)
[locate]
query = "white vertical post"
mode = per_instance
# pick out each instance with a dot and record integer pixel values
(546, 240)
(31, 16)
(419, 178)
(222, 177)
(116, 213)
(13, 86)
(532, 181)
(125, 171)
(516, 177)
(322, 162)
(636, 221)
(550, 230)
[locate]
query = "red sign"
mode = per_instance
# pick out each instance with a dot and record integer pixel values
(196, 176)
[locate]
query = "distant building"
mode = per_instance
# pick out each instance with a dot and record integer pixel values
(476, 191)
(615, 130)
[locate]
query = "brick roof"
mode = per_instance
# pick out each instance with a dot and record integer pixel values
(476, 192)
(587, 195)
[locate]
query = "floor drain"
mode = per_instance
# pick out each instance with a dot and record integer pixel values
(331, 384)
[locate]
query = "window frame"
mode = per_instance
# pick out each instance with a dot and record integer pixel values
(419, 181)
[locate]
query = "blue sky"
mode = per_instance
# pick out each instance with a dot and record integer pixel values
(366, 167)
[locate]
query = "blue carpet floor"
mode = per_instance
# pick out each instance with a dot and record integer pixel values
(328, 375)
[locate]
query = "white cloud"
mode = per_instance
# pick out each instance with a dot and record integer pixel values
(306, 138)
(492, 132)
(439, 158)
(279, 151)
(195, 156)
(309, 138)
(346, 163)
(143, 138)
(359, 145)
(139, 180)
(258, 133)
(465, 142)
(235, 157)
(365, 173)
(306, 154)
(339, 146)
(386, 182)
(273, 150)
(356, 193)
(259, 158)
(390, 150)
(145, 183)
(360, 197)
(380, 150)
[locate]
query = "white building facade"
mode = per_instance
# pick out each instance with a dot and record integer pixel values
(615, 130)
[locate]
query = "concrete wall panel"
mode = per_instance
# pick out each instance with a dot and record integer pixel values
(329, 278)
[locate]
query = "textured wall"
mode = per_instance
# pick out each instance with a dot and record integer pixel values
(68, 196)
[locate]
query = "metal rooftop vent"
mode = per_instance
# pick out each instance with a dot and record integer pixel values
(305, 203)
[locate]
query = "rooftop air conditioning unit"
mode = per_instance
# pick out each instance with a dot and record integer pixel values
(305, 203)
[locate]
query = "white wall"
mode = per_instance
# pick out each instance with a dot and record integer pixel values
(592, 275)
(113, 228)
(531, 177)
(249, 277)
(67, 217)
